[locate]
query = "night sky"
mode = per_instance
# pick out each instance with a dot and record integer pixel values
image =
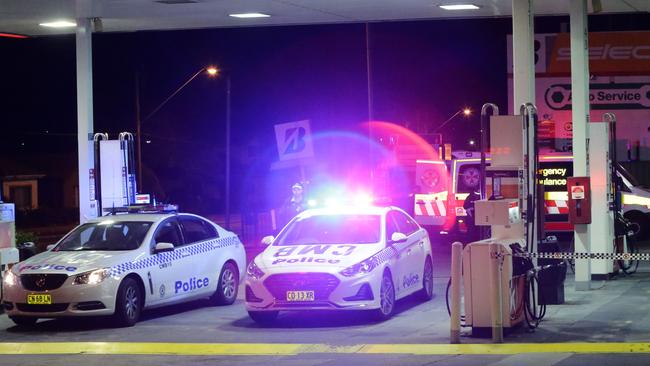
(422, 73)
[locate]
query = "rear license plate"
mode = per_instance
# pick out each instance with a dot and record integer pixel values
(300, 295)
(39, 299)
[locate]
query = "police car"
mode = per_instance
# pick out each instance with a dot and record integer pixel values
(341, 258)
(120, 265)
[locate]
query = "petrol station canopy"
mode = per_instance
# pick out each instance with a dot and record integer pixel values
(24, 16)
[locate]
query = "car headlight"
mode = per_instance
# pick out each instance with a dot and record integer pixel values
(92, 277)
(363, 267)
(254, 271)
(10, 279)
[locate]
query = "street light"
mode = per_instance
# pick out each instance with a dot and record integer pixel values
(210, 70)
(465, 111)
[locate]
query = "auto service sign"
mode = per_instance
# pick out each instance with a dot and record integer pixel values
(620, 83)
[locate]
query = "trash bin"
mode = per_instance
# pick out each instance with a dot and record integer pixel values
(552, 275)
(26, 250)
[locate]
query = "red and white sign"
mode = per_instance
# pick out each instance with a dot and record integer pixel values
(142, 199)
(620, 66)
(578, 192)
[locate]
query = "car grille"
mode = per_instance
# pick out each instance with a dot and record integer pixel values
(321, 283)
(42, 308)
(42, 281)
(90, 305)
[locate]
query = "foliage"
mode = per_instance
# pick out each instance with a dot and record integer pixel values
(25, 236)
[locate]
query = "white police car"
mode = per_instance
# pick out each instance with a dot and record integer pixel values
(345, 258)
(122, 264)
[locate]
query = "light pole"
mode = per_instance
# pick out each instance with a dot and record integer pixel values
(466, 112)
(228, 152)
(218, 71)
(210, 70)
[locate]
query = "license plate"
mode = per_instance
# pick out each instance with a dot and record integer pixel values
(39, 299)
(300, 295)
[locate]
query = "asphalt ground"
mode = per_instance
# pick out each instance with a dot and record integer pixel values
(608, 325)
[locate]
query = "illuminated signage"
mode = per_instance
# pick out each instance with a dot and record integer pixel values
(553, 175)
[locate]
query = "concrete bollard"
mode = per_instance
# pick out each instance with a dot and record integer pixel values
(456, 278)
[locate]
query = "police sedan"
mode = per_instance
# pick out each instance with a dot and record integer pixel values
(120, 265)
(343, 258)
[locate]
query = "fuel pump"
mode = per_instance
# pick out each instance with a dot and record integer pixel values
(114, 171)
(508, 206)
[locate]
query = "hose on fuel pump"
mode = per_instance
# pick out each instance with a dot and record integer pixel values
(462, 317)
(534, 312)
(529, 304)
(529, 112)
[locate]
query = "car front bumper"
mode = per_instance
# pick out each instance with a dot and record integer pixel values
(67, 300)
(332, 291)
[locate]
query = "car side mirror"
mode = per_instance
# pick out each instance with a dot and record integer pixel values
(50, 247)
(267, 240)
(398, 238)
(163, 247)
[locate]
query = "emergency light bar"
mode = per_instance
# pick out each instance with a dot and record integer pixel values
(161, 208)
(359, 200)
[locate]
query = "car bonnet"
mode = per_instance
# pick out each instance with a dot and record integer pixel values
(316, 255)
(72, 262)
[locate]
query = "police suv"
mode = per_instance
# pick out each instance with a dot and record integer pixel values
(344, 258)
(120, 265)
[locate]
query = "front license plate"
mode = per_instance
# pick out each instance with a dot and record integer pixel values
(39, 299)
(300, 295)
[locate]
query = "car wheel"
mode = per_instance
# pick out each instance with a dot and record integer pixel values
(427, 281)
(23, 320)
(263, 317)
(128, 304)
(639, 224)
(386, 298)
(228, 285)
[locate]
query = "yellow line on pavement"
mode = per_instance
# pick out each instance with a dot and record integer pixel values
(287, 349)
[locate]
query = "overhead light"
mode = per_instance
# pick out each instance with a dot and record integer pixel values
(59, 24)
(212, 71)
(249, 15)
(459, 7)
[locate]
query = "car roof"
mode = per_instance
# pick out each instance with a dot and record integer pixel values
(148, 217)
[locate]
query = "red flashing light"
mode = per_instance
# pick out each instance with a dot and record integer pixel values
(12, 35)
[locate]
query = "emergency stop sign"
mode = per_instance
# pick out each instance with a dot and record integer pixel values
(578, 192)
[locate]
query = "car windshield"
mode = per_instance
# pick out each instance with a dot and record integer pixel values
(332, 229)
(106, 235)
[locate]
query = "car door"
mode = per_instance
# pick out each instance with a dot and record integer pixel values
(412, 253)
(170, 279)
(400, 266)
(206, 266)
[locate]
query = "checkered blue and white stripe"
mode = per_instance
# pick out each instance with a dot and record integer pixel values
(571, 255)
(385, 254)
(181, 252)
